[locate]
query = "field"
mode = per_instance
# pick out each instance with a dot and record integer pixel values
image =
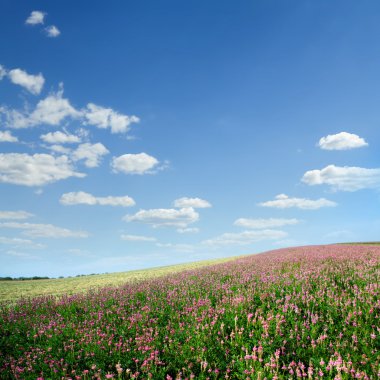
(11, 291)
(307, 312)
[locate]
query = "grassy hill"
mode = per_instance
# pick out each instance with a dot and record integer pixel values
(306, 312)
(364, 243)
(11, 291)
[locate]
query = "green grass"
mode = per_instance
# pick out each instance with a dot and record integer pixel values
(363, 243)
(11, 291)
(307, 312)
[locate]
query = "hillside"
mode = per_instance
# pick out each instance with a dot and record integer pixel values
(11, 291)
(301, 312)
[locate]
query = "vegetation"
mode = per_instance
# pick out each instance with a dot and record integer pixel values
(293, 313)
(365, 243)
(23, 278)
(11, 291)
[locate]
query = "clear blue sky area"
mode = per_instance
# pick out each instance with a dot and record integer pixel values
(136, 134)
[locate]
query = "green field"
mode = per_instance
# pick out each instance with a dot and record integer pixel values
(11, 291)
(306, 312)
(364, 243)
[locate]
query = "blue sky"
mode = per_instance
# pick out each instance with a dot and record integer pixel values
(136, 134)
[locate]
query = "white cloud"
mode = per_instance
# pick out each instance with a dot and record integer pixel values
(91, 153)
(33, 83)
(188, 230)
(52, 31)
(80, 197)
(3, 72)
(17, 242)
(15, 215)
(75, 198)
(59, 137)
(15, 119)
(165, 217)
(44, 230)
(108, 118)
(35, 170)
(191, 202)
(140, 163)
(245, 237)
(7, 136)
(137, 238)
(341, 141)
(50, 111)
(264, 223)
(82, 133)
(283, 201)
(54, 109)
(36, 17)
(59, 149)
(344, 178)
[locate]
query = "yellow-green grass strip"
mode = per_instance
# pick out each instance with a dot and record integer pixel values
(11, 291)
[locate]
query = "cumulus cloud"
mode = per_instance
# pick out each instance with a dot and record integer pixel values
(44, 230)
(59, 137)
(35, 18)
(346, 178)
(90, 153)
(81, 197)
(283, 201)
(15, 215)
(50, 111)
(33, 83)
(165, 217)
(15, 118)
(35, 170)
(341, 141)
(264, 223)
(54, 109)
(191, 202)
(108, 118)
(52, 31)
(137, 238)
(59, 149)
(7, 136)
(245, 237)
(140, 163)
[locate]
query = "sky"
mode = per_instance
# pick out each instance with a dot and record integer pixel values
(137, 134)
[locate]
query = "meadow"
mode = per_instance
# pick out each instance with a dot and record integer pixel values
(11, 291)
(307, 312)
